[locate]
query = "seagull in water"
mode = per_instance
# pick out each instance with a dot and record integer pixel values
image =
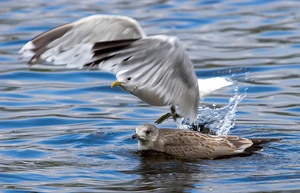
(156, 69)
(188, 144)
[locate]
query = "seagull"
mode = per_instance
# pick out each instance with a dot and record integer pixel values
(189, 144)
(156, 69)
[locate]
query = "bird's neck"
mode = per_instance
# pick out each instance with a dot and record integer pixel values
(145, 145)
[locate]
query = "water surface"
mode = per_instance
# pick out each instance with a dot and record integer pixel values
(66, 130)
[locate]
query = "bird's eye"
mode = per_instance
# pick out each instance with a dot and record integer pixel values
(129, 78)
(148, 132)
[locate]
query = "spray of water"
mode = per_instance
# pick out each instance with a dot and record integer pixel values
(216, 120)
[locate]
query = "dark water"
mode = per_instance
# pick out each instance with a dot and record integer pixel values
(66, 130)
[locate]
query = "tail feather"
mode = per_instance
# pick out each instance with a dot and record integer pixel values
(253, 148)
(257, 144)
(209, 85)
(259, 141)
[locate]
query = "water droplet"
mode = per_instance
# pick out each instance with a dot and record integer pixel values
(218, 119)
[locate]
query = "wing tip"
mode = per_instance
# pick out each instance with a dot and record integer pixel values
(27, 50)
(29, 46)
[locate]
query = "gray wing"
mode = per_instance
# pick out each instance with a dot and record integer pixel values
(58, 45)
(161, 68)
(159, 65)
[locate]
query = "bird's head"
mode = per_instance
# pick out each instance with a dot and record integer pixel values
(147, 134)
(125, 82)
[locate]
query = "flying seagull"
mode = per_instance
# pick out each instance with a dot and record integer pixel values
(189, 144)
(156, 69)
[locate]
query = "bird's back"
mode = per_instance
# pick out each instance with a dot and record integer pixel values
(193, 145)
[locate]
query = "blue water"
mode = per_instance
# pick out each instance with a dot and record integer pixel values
(66, 130)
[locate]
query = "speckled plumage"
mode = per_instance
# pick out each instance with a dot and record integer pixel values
(194, 145)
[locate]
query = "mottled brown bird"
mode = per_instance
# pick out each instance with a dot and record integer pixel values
(194, 145)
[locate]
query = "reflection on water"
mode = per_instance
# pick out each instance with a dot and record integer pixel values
(66, 130)
(173, 175)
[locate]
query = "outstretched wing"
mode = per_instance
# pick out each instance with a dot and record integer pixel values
(58, 45)
(161, 68)
(159, 65)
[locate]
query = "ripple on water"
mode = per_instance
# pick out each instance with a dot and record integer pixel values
(66, 130)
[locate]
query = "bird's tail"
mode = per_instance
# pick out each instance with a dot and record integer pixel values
(209, 85)
(257, 144)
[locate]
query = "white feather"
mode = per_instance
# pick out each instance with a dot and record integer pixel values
(26, 50)
(207, 86)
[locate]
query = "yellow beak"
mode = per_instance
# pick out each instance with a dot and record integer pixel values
(116, 83)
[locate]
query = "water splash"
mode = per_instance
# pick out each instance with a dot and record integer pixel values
(216, 120)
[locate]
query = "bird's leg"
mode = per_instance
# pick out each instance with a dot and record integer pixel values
(163, 118)
(172, 114)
